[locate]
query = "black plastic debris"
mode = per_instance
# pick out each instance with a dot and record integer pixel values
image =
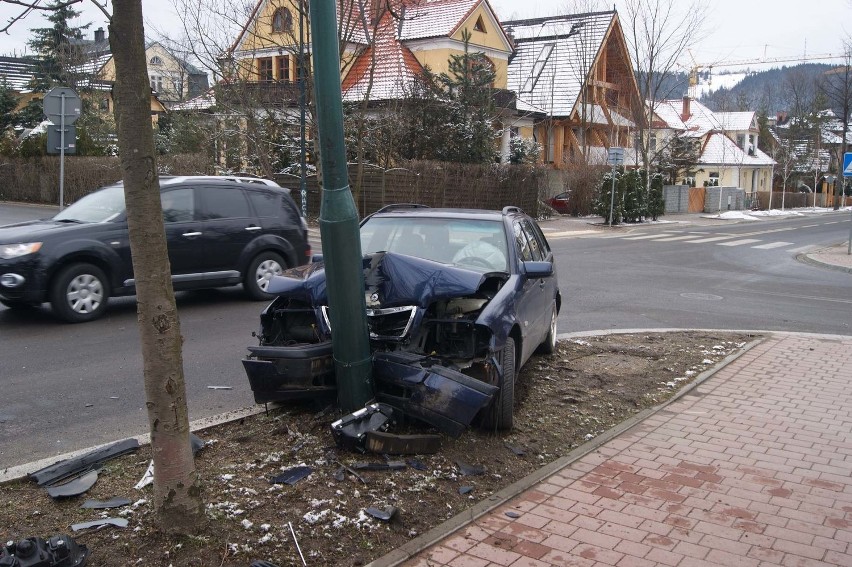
(470, 470)
(58, 551)
(388, 466)
(116, 502)
(292, 476)
(70, 467)
(513, 515)
(383, 515)
(117, 522)
(465, 490)
(340, 474)
(351, 471)
(386, 443)
(73, 488)
(196, 442)
(519, 451)
(417, 465)
(262, 563)
(351, 430)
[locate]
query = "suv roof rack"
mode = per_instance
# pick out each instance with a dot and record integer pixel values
(400, 206)
(238, 178)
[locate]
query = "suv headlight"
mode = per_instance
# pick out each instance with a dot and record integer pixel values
(21, 249)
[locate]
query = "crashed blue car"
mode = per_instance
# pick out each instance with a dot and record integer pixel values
(457, 301)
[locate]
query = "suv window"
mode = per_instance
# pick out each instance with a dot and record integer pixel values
(178, 205)
(265, 203)
(225, 202)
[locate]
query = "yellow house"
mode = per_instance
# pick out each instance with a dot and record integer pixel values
(385, 45)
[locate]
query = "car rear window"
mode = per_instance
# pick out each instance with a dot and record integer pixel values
(225, 202)
(265, 203)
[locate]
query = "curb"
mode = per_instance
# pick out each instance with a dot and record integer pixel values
(436, 534)
(808, 258)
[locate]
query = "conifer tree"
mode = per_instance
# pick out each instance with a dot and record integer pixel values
(58, 48)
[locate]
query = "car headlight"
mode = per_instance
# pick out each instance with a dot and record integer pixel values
(21, 249)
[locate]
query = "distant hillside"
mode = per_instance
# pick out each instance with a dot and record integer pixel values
(762, 90)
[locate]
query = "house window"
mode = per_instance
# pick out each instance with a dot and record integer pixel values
(741, 141)
(689, 181)
(479, 62)
(714, 179)
(479, 25)
(156, 83)
(282, 68)
(155, 60)
(653, 143)
(282, 21)
(264, 69)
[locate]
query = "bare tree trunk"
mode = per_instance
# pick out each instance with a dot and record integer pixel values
(177, 501)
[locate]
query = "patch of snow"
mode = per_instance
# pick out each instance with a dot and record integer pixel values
(315, 517)
(706, 361)
(732, 215)
(247, 524)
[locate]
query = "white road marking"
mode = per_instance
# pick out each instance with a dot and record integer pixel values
(673, 238)
(646, 236)
(738, 242)
(772, 245)
(711, 239)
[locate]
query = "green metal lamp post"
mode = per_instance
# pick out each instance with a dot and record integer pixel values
(341, 244)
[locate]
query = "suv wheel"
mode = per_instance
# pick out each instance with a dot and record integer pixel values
(260, 271)
(79, 293)
(500, 414)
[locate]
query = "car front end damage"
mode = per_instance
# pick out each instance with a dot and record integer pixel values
(433, 333)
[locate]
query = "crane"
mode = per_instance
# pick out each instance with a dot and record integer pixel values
(693, 70)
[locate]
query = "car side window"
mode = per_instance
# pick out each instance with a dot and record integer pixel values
(537, 249)
(522, 243)
(225, 203)
(545, 247)
(265, 203)
(178, 205)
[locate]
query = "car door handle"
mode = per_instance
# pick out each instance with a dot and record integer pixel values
(191, 234)
(253, 228)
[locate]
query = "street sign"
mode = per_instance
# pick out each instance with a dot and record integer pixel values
(847, 164)
(55, 139)
(62, 103)
(615, 156)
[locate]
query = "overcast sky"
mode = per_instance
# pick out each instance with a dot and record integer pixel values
(735, 29)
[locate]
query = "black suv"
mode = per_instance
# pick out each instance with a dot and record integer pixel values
(220, 231)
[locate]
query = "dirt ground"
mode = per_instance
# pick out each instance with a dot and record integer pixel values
(562, 401)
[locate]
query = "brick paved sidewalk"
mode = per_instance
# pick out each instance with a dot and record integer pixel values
(752, 468)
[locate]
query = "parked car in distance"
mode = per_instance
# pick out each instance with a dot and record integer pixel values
(560, 203)
(457, 301)
(220, 231)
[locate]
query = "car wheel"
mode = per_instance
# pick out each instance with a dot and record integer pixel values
(79, 293)
(500, 414)
(548, 345)
(260, 271)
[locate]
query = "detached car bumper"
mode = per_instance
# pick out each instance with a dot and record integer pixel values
(281, 373)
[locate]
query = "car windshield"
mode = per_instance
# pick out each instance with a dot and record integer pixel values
(100, 206)
(478, 245)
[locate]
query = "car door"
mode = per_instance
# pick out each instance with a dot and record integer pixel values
(228, 226)
(184, 231)
(547, 285)
(528, 298)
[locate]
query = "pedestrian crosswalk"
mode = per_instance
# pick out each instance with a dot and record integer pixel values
(683, 237)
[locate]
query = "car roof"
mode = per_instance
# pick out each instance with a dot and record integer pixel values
(421, 211)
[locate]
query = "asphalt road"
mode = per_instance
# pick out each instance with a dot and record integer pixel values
(70, 386)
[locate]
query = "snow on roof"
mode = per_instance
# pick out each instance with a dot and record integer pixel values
(434, 18)
(719, 149)
(736, 120)
(204, 101)
(393, 73)
(700, 121)
(553, 57)
(17, 72)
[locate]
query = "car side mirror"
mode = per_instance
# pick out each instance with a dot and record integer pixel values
(538, 269)
(316, 258)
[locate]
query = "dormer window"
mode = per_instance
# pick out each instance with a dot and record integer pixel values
(282, 21)
(479, 25)
(155, 60)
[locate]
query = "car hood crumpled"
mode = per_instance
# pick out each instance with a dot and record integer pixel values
(396, 279)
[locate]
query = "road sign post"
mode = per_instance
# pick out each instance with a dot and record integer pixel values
(847, 172)
(62, 106)
(614, 157)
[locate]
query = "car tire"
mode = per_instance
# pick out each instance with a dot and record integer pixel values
(260, 271)
(548, 345)
(500, 414)
(79, 293)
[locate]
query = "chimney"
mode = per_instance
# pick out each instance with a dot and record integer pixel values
(685, 113)
(99, 35)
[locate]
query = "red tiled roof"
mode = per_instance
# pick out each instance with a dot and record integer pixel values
(394, 69)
